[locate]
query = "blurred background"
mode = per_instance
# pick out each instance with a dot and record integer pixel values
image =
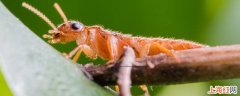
(211, 22)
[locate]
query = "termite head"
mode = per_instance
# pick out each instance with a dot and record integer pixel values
(66, 32)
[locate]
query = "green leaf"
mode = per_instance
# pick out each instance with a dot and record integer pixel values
(33, 68)
(4, 90)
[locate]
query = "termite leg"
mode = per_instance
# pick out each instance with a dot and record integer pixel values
(72, 52)
(145, 89)
(89, 52)
(145, 50)
(81, 48)
(117, 88)
(143, 53)
(76, 57)
(166, 51)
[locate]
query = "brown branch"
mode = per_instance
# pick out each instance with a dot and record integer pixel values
(196, 65)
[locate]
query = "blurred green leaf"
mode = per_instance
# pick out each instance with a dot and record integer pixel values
(33, 68)
(225, 28)
(197, 89)
(4, 90)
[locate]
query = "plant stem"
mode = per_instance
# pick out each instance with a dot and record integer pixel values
(195, 65)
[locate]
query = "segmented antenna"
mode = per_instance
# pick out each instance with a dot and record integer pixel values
(39, 13)
(60, 11)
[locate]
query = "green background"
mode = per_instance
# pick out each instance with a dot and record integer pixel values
(211, 22)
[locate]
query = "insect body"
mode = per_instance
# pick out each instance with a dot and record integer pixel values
(96, 41)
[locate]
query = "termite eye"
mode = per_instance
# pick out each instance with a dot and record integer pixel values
(77, 26)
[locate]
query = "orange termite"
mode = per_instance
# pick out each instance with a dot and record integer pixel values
(96, 41)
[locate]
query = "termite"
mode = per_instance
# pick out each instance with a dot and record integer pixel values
(95, 41)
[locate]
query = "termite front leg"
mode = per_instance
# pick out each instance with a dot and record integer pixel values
(76, 57)
(74, 51)
(78, 50)
(87, 51)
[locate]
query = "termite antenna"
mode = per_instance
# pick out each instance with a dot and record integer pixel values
(60, 11)
(39, 13)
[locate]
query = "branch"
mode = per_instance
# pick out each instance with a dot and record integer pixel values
(195, 65)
